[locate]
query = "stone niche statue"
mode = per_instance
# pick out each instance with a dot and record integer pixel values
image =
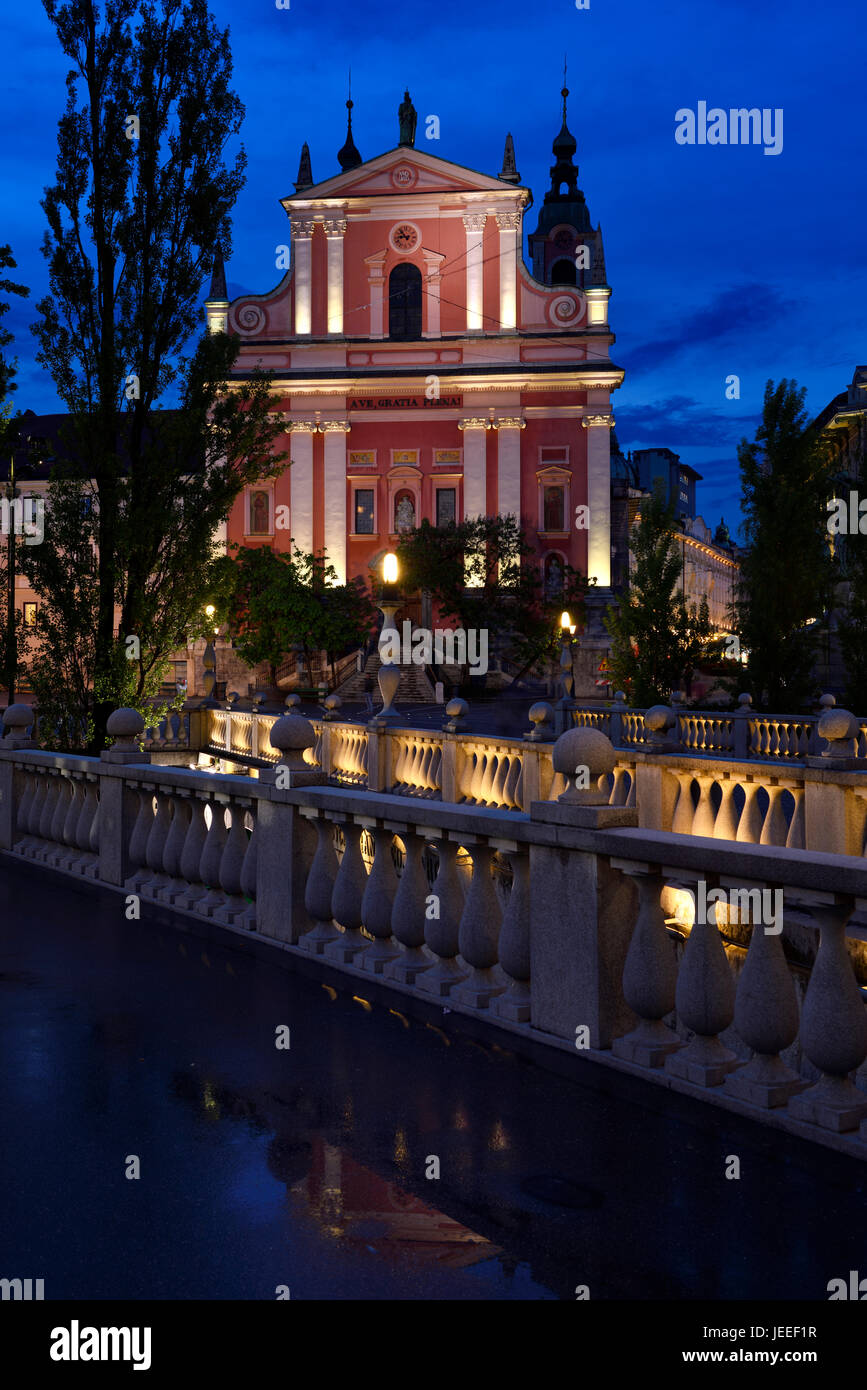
(408, 118)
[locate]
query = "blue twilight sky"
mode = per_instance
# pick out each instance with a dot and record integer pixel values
(723, 259)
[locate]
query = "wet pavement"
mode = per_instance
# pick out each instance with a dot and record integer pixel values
(304, 1169)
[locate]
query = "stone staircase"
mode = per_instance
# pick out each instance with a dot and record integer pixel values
(414, 688)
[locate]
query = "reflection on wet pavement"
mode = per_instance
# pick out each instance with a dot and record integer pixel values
(386, 1154)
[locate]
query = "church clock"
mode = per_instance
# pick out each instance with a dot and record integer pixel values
(404, 237)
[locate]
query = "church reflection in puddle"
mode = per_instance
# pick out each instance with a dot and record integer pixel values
(351, 1203)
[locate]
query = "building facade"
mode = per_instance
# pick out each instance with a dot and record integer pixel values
(422, 369)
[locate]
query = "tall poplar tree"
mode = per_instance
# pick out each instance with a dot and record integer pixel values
(138, 211)
(786, 577)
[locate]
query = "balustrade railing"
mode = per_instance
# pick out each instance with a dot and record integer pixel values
(566, 921)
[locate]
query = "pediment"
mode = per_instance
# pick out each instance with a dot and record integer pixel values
(399, 172)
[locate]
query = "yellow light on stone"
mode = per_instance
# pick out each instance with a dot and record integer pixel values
(389, 568)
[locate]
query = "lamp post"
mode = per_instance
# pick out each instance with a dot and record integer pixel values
(209, 680)
(389, 602)
(566, 703)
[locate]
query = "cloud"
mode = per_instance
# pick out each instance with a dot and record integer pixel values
(680, 421)
(727, 317)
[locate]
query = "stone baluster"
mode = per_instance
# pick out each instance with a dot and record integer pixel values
(91, 869)
(705, 816)
(49, 806)
(649, 976)
(408, 919)
(380, 891)
(514, 945)
(683, 812)
(725, 826)
(480, 932)
(54, 853)
(795, 838)
(833, 1029)
(76, 800)
(442, 923)
(156, 843)
(319, 889)
(249, 869)
(139, 839)
(750, 823)
(705, 1002)
(24, 809)
(191, 856)
(37, 806)
(774, 828)
(349, 886)
(231, 864)
(766, 1019)
(172, 886)
(212, 857)
(84, 824)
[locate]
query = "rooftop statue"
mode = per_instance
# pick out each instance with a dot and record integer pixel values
(408, 117)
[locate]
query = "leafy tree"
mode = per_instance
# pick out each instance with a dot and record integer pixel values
(140, 205)
(484, 575)
(656, 639)
(280, 601)
(13, 636)
(786, 573)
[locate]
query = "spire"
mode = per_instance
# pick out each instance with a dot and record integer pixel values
(597, 269)
(305, 173)
(509, 173)
(348, 157)
(218, 292)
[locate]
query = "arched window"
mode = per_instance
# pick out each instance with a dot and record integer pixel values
(404, 301)
(563, 273)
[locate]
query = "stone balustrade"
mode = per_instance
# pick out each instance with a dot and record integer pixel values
(567, 922)
(817, 802)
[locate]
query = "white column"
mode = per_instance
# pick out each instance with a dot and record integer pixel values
(509, 466)
(335, 230)
(474, 223)
(302, 236)
(598, 429)
(509, 224)
(432, 281)
(334, 489)
(475, 466)
(375, 284)
(301, 483)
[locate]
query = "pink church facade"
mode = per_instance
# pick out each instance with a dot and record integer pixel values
(422, 371)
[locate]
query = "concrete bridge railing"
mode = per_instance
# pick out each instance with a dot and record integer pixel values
(566, 922)
(818, 803)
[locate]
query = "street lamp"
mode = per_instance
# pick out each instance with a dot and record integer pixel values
(209, 661)
(388, 676)
(567, 632)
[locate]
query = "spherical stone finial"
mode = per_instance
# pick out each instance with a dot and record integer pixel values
(745, 700)
(290, 735)
(620, 697)
(659, 719)
(540, 713)
(457, 709)
(837, 724)
(292, 701)
(125, 726)
(827, 702)
(260, 699)
(333, 702)
(18, 717)
(582, 756)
